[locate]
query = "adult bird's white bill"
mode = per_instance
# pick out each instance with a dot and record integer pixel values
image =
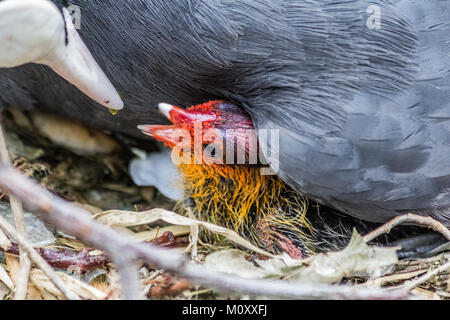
(35, 31)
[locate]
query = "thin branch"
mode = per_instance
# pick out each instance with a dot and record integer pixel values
(77, 222)
(25, 263)
(410, 217)
(17, 211)
(23, 277)
(129, 276)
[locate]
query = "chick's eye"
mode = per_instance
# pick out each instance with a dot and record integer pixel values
(212, 150)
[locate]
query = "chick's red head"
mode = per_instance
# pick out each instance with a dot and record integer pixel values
(216, 132)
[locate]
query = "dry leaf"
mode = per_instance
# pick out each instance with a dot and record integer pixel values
(36, 294)
(13, 266)
(378, 282)
(82, 289)
(4, 241)
(118, 218)
(4, 291)
(233, 261)
(358, 258)
(425, 294)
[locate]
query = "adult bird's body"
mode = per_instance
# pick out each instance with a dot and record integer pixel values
(359, 89)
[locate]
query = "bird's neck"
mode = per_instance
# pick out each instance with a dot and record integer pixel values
(261, 208)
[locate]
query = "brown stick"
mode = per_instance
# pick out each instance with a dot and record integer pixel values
(79, 261)
(410, 217)
(17, 211)
(73, 220)
(66, 259)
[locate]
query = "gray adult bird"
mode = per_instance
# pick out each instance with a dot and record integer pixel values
(359, 89)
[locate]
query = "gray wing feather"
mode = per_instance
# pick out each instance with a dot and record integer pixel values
(392, 151)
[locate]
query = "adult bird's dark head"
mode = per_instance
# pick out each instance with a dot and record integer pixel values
(38, 31)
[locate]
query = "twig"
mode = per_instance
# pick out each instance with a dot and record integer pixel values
(67, 259)
(410, 285)
(77, 222)
(23, 277)
(129, 275)
(83, 260)
(37, 259)
(409, 217)
(17, 211)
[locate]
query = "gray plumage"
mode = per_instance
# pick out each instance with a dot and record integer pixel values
(363, 113)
